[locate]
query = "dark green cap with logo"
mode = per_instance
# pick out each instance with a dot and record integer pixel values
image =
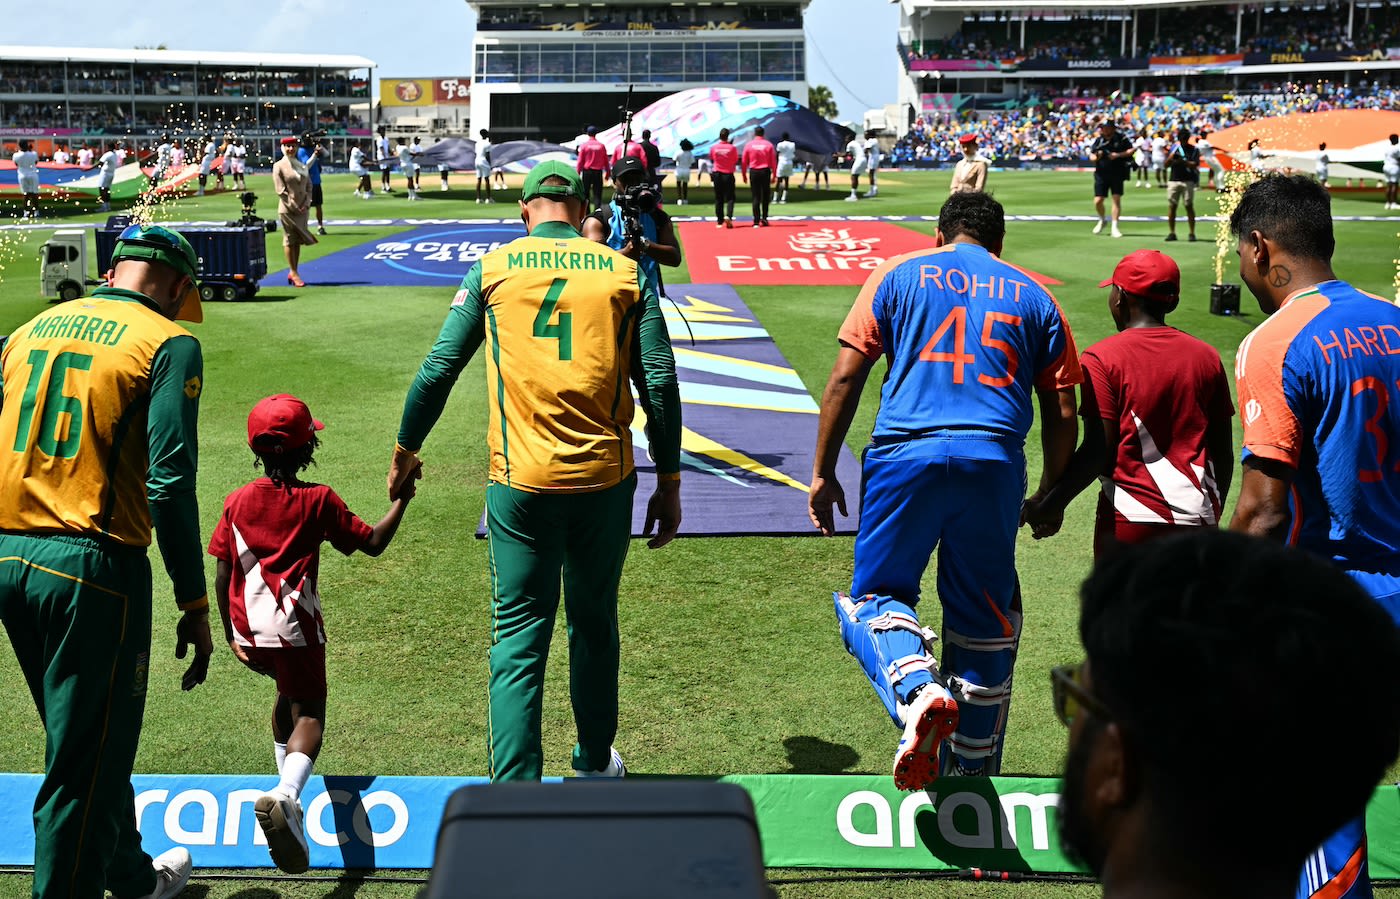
(535, 186)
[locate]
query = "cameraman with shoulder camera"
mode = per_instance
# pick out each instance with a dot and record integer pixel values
(634, 223)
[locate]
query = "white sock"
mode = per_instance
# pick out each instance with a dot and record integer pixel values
(296, 770)
(279, 750)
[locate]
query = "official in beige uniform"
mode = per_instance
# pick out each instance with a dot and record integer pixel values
(970, 174)
(293, 185)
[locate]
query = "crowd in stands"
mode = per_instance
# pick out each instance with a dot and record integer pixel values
(1063, 129)
(1207, 31)
(35, 78)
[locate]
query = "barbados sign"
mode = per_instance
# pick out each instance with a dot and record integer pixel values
(999, 824)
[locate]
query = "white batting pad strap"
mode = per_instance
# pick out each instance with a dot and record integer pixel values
(975, 644)
(964, 690)
(898, 621)
(901, 668)
(973, 747)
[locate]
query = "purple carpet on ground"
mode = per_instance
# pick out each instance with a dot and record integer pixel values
(750, 426)
(429, 256)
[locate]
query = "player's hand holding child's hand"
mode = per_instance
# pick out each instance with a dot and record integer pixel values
(1044, 521)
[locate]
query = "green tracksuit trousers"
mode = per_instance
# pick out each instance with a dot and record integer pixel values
(79, 617)
(535, 538)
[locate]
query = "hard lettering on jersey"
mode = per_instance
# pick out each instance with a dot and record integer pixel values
(967, 337)
(561, 317)
(73, 426)
(1319, 385)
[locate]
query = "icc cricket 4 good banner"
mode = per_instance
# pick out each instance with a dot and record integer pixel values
(804, 820)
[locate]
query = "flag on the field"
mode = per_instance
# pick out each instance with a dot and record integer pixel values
(1356, 141)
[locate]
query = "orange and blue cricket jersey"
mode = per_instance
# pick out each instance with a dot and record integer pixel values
(1319, 391)
(968, 339)
(1318, 386)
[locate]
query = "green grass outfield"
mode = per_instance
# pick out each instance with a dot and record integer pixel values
(731, 661)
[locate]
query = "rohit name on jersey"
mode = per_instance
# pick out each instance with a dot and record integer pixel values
(78, 327)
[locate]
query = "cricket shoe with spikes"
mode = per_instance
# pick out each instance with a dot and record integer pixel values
(928, 722)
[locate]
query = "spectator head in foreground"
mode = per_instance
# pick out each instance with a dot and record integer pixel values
(1213, 665)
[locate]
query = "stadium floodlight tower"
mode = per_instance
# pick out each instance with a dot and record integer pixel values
(959, 52)
(547, 70)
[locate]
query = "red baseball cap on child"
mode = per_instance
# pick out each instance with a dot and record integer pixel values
(281, 422)
(1147, 273)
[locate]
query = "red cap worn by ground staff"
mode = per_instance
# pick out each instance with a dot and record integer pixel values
(1147, 273)
(280, 422)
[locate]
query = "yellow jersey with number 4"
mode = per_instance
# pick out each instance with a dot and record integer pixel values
(561, 329)
(100, 399)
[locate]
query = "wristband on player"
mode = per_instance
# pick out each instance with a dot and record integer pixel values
(671, 476)
(196, 605)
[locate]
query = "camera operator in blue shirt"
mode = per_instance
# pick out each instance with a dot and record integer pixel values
(634, 223)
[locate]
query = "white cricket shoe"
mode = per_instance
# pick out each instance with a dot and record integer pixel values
(852, 198)
(1098, 228)
(615, 768)
(928, 721)
(280, 817)
(1116, 232)
(172, 869)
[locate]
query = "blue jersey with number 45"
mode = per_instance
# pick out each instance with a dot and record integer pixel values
(968, 337)
(1319, 391)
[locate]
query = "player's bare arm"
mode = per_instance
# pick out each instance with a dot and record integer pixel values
(1085, 465)
(1059, 429)
(1262, 510)
(840, 400)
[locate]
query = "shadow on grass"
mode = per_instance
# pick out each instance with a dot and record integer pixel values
(813, 755)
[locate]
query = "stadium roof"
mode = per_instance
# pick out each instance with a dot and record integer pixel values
(209, 58)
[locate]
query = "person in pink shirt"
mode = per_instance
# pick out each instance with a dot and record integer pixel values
(759, 161)
(629, 148)
(724, 158)
(592, 163)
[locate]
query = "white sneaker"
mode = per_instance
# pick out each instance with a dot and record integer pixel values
(172, 869)
(1116, 232)
(852, 198)
(928, 721)
(280, 817)
(1098, 227)
(615, 768)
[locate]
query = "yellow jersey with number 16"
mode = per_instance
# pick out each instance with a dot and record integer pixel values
(79, 428)
(561, 325)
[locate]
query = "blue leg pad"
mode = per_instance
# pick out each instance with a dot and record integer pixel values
(892, 648)
(979, 676)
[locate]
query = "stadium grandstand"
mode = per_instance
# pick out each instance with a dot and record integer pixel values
(1032, 78)
(544, 70)
(77, 96)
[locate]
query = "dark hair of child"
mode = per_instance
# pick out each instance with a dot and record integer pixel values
(282, 467)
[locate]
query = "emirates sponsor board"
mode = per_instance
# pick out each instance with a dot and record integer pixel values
(802, 252)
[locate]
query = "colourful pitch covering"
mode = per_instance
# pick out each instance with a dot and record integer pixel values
(750, 425)
(430, 256)
(130, 180)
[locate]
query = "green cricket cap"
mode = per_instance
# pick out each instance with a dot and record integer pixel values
(159, 244)
(535, 186)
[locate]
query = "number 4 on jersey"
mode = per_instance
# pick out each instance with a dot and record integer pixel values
(562, 331)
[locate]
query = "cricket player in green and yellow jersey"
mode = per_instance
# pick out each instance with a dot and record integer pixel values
(567, 322)
(98, 443)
